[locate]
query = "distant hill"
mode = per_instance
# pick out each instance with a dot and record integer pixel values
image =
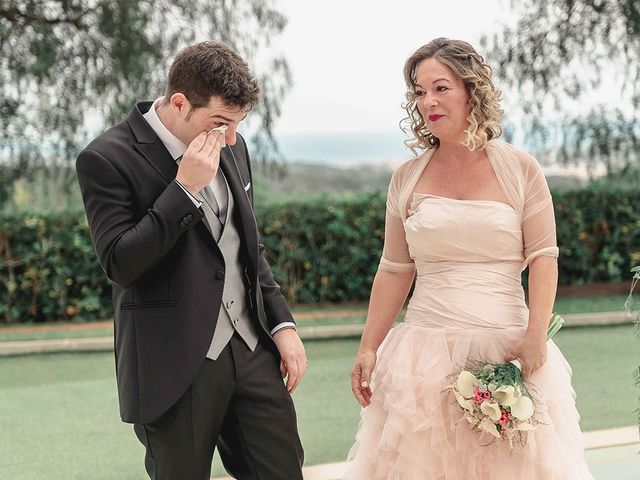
(307, 180)
(310, 180)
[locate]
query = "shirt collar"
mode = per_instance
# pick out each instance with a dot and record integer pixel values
(171, 142)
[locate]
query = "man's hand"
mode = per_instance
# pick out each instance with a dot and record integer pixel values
(199, 164)
(293, 363)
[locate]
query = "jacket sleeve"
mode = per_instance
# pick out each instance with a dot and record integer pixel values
(275, 305)
(127, 244)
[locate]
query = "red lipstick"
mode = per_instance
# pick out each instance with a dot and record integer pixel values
(435, 118)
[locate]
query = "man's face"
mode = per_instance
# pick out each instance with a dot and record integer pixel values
(193, 121)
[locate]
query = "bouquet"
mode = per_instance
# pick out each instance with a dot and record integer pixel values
(493, 398)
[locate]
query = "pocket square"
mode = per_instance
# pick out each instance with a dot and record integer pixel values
(247, 187)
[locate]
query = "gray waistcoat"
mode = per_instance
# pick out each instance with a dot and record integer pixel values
(234, 311)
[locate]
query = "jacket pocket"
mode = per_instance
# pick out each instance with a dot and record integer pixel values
(158, 304)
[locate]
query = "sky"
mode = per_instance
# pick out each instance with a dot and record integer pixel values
(347, 56)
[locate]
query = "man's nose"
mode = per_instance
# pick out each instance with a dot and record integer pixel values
(230, 136)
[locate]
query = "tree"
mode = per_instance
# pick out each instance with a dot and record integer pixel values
(560, 55)
(70, 67)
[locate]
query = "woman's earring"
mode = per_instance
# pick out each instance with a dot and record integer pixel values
(431, 138)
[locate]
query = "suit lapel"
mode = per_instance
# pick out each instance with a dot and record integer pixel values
(149, 145)
(159, 158)
(156, 154)
(236, 187)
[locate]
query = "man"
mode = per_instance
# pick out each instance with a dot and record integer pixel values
(203, 335)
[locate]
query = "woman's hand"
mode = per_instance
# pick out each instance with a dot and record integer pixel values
(361, 376)
(531, 352)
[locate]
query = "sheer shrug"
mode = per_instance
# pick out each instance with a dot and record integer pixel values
(523, 184)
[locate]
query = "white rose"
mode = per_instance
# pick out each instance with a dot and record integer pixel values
(505, 395)
(465, 382)
(524, 426)
(489, 427)
(522, 409)
(463, 402)
(491, 410)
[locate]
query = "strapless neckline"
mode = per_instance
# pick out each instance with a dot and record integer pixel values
(460, 200)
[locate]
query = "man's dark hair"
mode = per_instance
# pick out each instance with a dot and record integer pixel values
(212, 69)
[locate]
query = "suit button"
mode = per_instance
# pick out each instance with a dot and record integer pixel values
(189, 217)
(220, 275)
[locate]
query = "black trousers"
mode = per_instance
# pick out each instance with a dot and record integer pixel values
(237, 402)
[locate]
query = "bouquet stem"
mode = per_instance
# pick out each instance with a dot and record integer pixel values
(556, 324)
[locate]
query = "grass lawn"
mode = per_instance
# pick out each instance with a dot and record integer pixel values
(60, 415)
(45, 334)
(612, 303)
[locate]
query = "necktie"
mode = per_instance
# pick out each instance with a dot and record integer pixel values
(211, 209)
(214, 215)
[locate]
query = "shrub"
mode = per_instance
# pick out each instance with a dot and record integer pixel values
(320, 250)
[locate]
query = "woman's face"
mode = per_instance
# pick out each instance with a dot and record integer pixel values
(443, 100)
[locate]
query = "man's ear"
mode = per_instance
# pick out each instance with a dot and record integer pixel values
(180, 104)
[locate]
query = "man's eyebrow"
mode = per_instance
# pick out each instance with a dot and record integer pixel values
(222, 117)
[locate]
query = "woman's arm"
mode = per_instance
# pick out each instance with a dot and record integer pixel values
(540, 254)
(543, 280)
(388, 294)
(390, 287)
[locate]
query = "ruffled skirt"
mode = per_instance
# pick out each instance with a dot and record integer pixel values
(412, 430)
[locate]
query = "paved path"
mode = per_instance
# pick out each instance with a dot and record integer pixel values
(611, 454)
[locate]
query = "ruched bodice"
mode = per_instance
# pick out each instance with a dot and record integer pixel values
(470, 231)
(470, 246)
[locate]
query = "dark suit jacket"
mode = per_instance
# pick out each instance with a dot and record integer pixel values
(167, 271)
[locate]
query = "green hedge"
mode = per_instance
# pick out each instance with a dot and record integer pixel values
(598, 234)
(324, 250)
(49, 270)
(320, 250)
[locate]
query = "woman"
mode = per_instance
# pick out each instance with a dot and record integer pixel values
(468, 216)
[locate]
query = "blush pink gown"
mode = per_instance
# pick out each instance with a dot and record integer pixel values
(468, 303)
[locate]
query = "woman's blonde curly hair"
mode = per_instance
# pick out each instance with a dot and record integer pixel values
(470, 67)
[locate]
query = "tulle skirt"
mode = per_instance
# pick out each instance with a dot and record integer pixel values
(412, 430)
